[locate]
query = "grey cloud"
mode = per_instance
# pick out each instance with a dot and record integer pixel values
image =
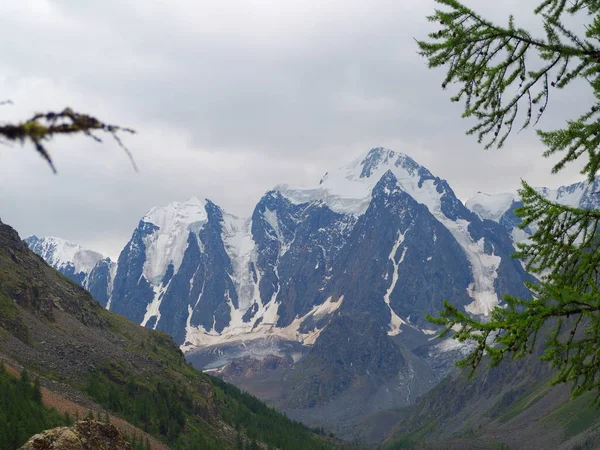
(230, 98)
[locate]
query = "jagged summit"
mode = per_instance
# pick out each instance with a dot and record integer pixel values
(188, 211)
(347, 190)
(382, 157)
(374, 158)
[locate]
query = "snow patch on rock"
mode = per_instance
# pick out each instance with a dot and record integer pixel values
(490, 206)
(241, 331)
(168, 244)
(395, 321)
(241, 249)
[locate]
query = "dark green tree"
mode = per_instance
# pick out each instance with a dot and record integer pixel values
(21, 414)
(239, 441)
(25, 383)
(37, 391)
(505, 76)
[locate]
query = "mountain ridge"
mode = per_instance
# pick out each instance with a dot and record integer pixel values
(164, 235)
(381, 237)
(501, 207)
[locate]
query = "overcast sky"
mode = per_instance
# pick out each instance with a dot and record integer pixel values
(229, 98)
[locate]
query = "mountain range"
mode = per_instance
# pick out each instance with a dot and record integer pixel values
(316, 302)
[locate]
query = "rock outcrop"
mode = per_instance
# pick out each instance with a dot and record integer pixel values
(83, 435)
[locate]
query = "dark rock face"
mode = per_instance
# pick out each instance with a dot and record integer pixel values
(297, 247)
(432, 265)
(203, 283)
(213, 311)
(509, 219)
(274, 223)
(69, 271)
(353, 349)
(177, 297)
(311, 260)
(99, 281)
(131, 291)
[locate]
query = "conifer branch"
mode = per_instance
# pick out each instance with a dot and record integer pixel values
(43, 127)
(565, 251)
(489, 62)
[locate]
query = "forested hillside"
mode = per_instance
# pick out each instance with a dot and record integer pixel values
(21, 411)
(54, 328)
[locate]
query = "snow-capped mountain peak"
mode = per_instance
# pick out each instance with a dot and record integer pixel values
(364, 255)
(198, 272)
(491, 206)
(181, 213)
(380, 159)
(347, 190)
(350, 190)
(501, 208)
(59, 253)
(369, 251)
(168, 243)
(86, 267)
